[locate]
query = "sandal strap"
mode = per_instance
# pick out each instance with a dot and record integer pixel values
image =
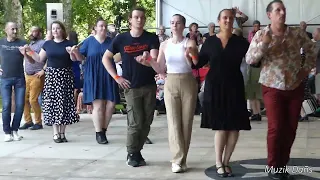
(222, 166)
(227, 166)
(56, 135)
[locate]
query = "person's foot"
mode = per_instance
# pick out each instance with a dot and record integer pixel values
(36, 127)
(287, 176)
(256, 117)
(26, 126)
(141, 160)
(104, 130)
(133, 160)
(305, 118)
(276, 176)
(8, 138)
(249, 113)
(16, 136)
(221, 172)
(63, 137)
(176, 168)
(156, 113)
(101, 138)
(148, 141)
(228, 171)
(57, 138)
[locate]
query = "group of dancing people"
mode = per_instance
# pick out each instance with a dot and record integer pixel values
(275, 48)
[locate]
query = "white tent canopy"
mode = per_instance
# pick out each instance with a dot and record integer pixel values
(205, 11)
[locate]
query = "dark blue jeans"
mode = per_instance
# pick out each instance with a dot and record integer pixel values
(19, 86)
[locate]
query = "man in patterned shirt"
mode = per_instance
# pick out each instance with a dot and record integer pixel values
(277, 46)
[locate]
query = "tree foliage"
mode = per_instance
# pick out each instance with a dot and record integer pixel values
(84, 13)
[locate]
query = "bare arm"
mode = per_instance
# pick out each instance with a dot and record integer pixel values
(106, 61)
(45, 66)
(192, 51)
(158, 63)
(73, 57)
(32, 61)
(42, 56)
(78, 55)
(117, 58)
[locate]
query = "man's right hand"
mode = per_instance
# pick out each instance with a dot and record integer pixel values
(124, 84)
(39, 74)
(266, 38)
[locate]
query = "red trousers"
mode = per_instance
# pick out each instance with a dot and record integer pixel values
(283, 110)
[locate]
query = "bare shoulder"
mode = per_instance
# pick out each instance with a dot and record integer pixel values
(163, 45)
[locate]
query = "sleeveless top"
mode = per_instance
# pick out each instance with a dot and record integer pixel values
(176, 61)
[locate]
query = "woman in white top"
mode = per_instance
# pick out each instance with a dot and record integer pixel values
(177, 55)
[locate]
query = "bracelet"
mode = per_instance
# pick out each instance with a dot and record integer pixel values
(31, 52)
(116, 77)
(194, 57)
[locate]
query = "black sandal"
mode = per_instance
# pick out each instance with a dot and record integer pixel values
(64, 139)
(224, 174)
(58, 140)
(229, 174)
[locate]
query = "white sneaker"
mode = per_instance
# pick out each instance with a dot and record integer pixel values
(176, 168)
(16, 136)
(8, 138)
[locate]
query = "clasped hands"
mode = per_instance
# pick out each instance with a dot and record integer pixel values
(72, 50)
(24, 49)
(144, 58)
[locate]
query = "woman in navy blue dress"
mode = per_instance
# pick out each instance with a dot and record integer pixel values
(99, 88)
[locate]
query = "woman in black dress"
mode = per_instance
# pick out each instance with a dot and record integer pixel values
(224, 106)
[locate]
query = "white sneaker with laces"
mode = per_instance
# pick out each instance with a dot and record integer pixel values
(176, 168)
(8, 138)
(16, 136)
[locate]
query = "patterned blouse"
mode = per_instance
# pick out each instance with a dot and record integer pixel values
(281, 60)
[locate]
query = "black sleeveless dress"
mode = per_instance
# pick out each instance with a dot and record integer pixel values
(224, 106)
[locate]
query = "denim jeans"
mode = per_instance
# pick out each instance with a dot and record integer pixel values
(19, 86)
(40, 100)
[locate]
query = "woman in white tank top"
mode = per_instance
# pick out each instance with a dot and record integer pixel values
(177, 55)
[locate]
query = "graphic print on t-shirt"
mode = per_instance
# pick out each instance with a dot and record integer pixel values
(135, 49)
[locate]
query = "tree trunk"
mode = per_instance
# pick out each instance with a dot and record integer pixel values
(67, 14)
(13, 13)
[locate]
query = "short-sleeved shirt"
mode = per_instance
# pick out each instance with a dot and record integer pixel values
(32, 68)
(131, 47)
(57, 55)
(11, 58)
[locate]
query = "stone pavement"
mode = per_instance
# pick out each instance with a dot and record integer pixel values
(38, 157)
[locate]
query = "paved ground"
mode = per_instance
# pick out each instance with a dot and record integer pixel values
(38, 157)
